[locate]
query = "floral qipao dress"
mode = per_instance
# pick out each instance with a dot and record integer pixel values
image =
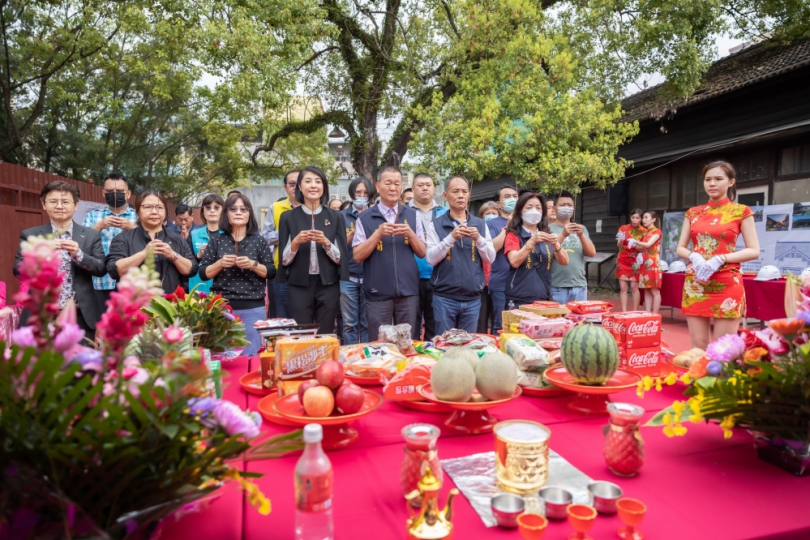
(650, 272)
(626, 265)
(714, 230)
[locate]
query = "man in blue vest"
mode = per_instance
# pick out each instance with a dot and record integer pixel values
(427, 210)
(386, 238)
(459, 244)
(507, 198)
(352, 297)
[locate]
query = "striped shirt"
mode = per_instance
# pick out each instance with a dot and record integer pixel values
(105, 282)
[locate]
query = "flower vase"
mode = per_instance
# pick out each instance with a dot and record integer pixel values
(792, 456)
(624, 447)
(420, 453)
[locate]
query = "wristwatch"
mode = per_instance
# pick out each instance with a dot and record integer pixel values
(558, 248)
(255, 264)
(174, 256)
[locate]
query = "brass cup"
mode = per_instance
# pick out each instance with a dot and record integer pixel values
(521, 458)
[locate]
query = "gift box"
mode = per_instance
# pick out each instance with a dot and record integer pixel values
(643, 361)
(514, 316)
(545, 328)
(589, 306)
(297, 358)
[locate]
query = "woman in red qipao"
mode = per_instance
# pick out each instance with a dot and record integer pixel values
(627, 269)
(650, 261)
(714, 284)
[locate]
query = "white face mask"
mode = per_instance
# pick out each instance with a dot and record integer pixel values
(565, 212)
(532, 217)
(361, 202)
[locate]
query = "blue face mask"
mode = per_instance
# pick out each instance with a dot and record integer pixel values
(361, 202)
(509, 205)
(489, 217)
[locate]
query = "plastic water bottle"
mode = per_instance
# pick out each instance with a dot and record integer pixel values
(511, 305)
(313, 489)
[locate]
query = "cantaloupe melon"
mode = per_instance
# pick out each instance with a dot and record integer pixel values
(453, 379)
(462, 352)
(496, 376)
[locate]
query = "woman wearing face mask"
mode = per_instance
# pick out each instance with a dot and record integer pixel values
(211, 210)
(487, 212)
(314, 257)
(352, 297)
(530, 247)
(713, 286)
(649, 261)
(627, 269)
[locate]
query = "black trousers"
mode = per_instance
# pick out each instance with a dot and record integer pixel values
(425, 312)
(315, 303)
(486, 313)
(271, 300)
(102, 297)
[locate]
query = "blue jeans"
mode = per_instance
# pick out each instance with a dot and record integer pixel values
(454, 314)
(250, 316)
(353, 308)
(281, 292)
(498, 306)
(563, 295)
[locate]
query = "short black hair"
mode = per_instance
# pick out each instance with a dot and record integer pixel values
(366, 182)
(225, 225)
(345, 205)
(233, 192)
(388, 168)
(61, 186)
(116, 177)
(288, 173)
(419, 175)
(316, 171)
(407, 190)
(506, 186)
(453, 177)
(183, 208)
(561, 194)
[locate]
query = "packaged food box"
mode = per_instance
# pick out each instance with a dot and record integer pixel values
(593, 318)
(548, 312)
(514, 316)
(297, 358)
(527, 354)
(589, 306)
(543, 329)
(634, 329)
(267, 360)
(505, 336)
(643, 361)
(403, 386)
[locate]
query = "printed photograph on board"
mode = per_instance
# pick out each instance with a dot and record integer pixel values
(777, 222)
(801, 215)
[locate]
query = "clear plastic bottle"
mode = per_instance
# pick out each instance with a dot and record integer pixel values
(313, 489)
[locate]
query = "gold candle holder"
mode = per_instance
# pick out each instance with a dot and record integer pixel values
(521, 456)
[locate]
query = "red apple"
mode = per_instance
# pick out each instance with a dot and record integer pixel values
(318, 401)
(350, 399)
(309, 383)
(330, 374)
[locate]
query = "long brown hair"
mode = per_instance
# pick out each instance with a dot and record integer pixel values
(728, 168)
(516, 221)
(654, 216)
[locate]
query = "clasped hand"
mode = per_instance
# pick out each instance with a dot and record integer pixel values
(229, 261)
(160, 248)
(462, 231)
(394, 229)
(705, 269)
(310, 235)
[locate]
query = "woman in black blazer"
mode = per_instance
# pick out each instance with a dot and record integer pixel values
(314, 258)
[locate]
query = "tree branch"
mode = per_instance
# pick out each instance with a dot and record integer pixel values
(450, 19)
(319, 121)
(316, 56)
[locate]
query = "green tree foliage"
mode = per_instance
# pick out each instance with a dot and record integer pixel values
(171, 93)
(529, 88)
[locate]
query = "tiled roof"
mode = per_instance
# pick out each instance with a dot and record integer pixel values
(749, 66)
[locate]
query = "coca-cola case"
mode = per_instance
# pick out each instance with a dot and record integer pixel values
(642, 330)
(643, 361)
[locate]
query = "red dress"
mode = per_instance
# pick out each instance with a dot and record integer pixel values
(650, 271)
(714, 228)
(626, 266)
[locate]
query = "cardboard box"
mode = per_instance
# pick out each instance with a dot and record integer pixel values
(634, 329)
(643, 361)
(514, 316)
(297, 358)
(545, 328)
(548, 312)
(589, 306)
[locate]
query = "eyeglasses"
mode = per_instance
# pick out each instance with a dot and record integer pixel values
(57, 202)
(291, 184)
(238, 210)
(214, 207)
(153, 208)
(111, 191)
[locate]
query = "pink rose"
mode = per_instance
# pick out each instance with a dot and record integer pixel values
(173, 334)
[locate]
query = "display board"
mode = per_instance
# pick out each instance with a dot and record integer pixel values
(783, 231)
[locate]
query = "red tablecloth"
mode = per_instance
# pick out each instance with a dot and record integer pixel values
(699, 486)
(764, 299)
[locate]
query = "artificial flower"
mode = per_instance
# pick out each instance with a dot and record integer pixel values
(23, 337)
(787, 327)
(671, 379)
(726, 348)
(726, 425)
(698, 369)
(173, 334)
(714, 368)
(234, 420)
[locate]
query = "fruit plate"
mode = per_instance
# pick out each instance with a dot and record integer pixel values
(547, 392)
(364, 381)
(268, 412)
(469, 417)
(336, 432)
(680, 370)
(591, 399)
(424, 406)
(252, 384)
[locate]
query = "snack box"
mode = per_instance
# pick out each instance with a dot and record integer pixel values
(593, 318)
(634, 329)
(297, 358)
(643, 361)
(548, 312)
(548, 328)
(403, 386)
(514, 316)
(589, 306)
(268, 367)
(527, 354)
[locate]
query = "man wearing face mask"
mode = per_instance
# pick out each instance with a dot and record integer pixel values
(110, 222)
(352, 297)
(507, 198)
(569, 283)
(459, 245)
(427, 210)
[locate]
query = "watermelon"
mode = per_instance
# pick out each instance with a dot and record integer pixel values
(589, 353)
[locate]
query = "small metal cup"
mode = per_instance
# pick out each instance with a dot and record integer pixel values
(506, 508)
(604, 496)
(556, 501)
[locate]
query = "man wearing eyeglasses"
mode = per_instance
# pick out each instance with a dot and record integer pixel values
(110, 222)
(80, 249)
(281, 291)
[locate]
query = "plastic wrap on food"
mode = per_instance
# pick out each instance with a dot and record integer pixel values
(527, 354)
(403, 385)
(589, 306)
(549, 328)
(371, 359)
(399, 335)
(461, 338)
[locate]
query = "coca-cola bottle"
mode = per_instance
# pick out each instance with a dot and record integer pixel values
(313, 489)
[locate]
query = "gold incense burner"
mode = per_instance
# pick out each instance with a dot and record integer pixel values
(431, 523)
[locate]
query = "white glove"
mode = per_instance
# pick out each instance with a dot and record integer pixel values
(631, 243)
(705, 272)
(698, 262)
(640, 259)
(620, 236)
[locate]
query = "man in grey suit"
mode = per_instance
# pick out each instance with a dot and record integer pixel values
(81, 252)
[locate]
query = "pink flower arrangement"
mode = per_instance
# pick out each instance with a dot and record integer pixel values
(234, 420)
(726, 348)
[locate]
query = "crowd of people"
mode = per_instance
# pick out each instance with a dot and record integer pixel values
(390, 255)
